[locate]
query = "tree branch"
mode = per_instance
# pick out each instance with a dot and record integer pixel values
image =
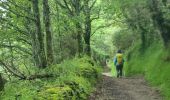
(60, 4)
(65, 6)
(98, 15)
(16, 13)
(18, 6)
(12, 71)
(73, 2)
(16, 28)
(17, 47)
(93, 4)
(24, 40)
(32, 77)
(100, 27)
(21, 76)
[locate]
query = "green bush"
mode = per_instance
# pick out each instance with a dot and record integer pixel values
(54, 93)
(74, 80)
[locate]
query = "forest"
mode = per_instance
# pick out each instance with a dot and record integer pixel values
(58, 49)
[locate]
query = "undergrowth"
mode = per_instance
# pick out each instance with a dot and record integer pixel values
(73, 80)
(154, 64)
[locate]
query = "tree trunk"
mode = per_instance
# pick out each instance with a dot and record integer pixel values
(28, 24)
(49, 49)
(74, 9)
(78, 27)
(87, 28)
(41, 50)
(143, 37)
(35, 49)
(1, 83)
(79, 38)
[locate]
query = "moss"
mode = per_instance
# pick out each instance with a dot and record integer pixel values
(80, 87)
(55, 93)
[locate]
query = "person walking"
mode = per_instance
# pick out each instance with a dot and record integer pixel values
(119, 62)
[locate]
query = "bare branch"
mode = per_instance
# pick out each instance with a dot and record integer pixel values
(17, 47)
(100, 27)
(93, 4)
(24, 40)
(16, 73)
(65, 6)
(81, 8)
(73, 2)
(60, 4)
(19, 6)
(16, 13)
(16, 28)
(32, 77)
(98, 15)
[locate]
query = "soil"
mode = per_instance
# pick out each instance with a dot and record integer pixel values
(126, 88)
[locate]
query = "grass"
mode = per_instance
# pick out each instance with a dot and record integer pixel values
(112, 67)
(154, 65)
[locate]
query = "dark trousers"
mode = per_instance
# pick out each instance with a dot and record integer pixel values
(119, 69)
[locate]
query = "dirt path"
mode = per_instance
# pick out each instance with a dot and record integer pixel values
(133, 88)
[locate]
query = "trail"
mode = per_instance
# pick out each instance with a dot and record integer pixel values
(131, 88)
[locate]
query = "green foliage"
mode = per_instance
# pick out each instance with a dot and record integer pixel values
(124, 39)
(54, 93)
(111, 66)
(20, 89)
(154, 64)
(74, 79)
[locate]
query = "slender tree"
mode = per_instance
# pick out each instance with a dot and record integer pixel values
(1, 83)
(87, 33)
(74, 9)
(49, 47)
(41, 51)
(77, 7)
(88, 6)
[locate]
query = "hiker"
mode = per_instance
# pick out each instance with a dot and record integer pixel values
(118, 62)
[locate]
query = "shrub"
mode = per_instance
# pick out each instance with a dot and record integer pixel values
(73, 80)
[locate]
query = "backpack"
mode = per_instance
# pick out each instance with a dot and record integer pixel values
(119, 58)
